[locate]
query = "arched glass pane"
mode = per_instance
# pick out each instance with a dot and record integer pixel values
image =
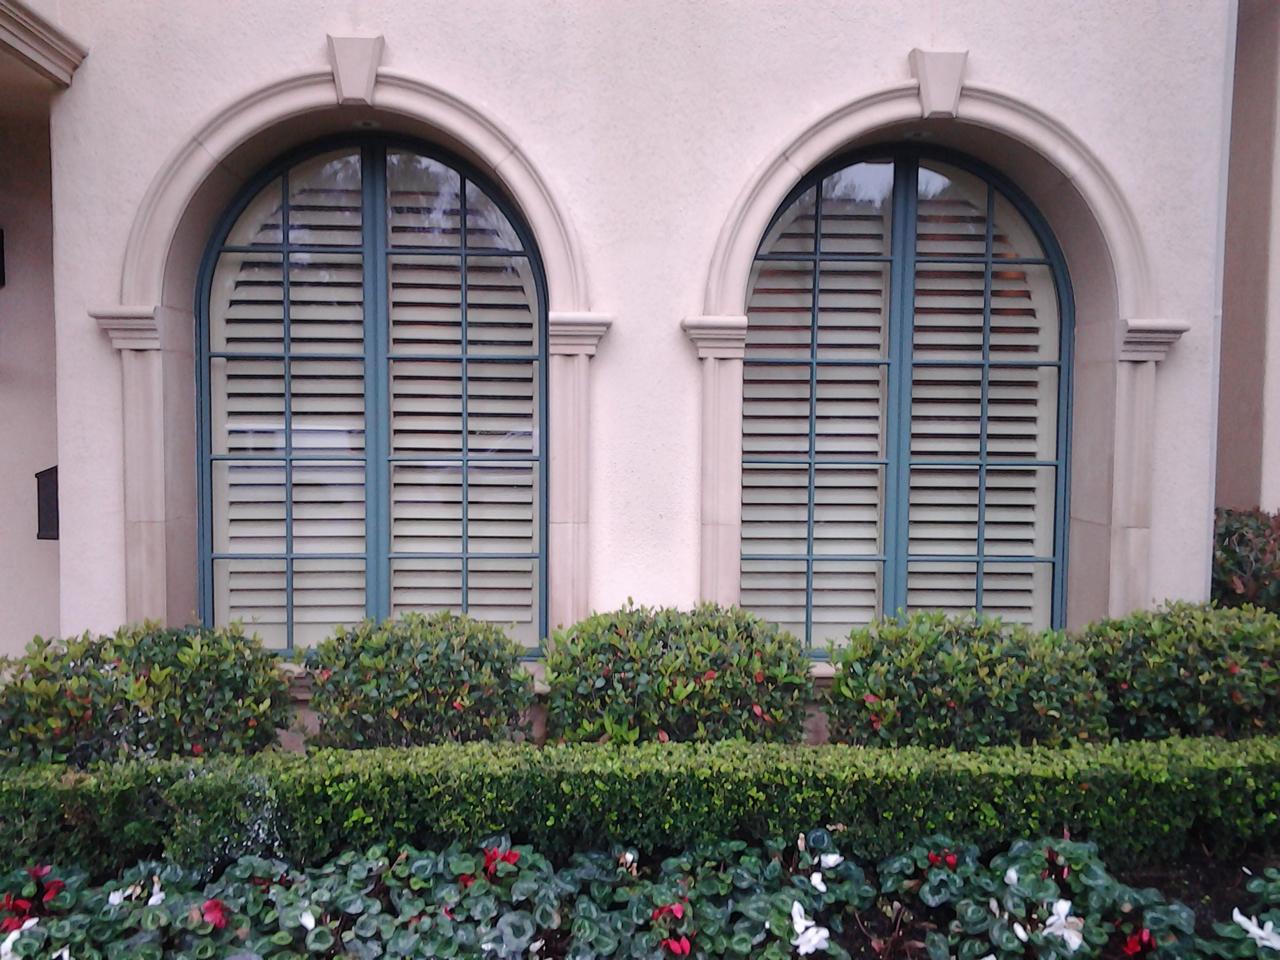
(373, 451)
(893, 459)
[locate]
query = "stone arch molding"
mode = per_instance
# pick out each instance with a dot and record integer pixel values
(1141, 335)
(160, 570)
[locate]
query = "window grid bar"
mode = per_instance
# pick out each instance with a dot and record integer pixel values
(377, 391)
(815, 295)
(354, 357)
(464, 388)
(984, 420)
(997, 364)
(357, 249)
(286, 344)
(834, 362)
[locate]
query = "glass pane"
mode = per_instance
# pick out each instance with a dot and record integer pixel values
(1024, 314)
(487, 226)
(951, 212)
(946, 412)
(426, 585)
(328, 507)
(845, 594)
(426, 407)
(1023, 417)
(950, 311)
(856, 206)
(780, 310)
(253, 593)
(326, 303)
(248, 506)
(327, 405)
(259, 222)
(1012, 235)
(247, 400)
(1019, 516)
(502, 507)
(425, 304)
(502, 408)
(327, 593)
(847, 504)
(853, 310)
(502, 306)
(776, 591)
(775, 410)
(775, 509)
(325, 200)
(849, 415)
(943, 518)
(246, 304)
(423, 202)
(504, 591)
(949, 587)
(1019, 592)
(793, 231)
(426, 507)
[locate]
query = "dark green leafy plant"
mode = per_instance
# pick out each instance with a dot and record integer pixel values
(418, 680)
(966, 682)
(641, 674)
(1189, 670)
(1246, 558)
(143, 691)
(1140, 802)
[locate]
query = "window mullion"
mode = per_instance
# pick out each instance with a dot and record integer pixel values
(377, 413)
(983, 413)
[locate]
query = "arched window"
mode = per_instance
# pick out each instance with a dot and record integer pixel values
(905, 404)
(371, 331)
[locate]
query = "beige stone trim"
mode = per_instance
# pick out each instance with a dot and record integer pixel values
(134, 332)
(940, 76)
(40, 44)
(355, 62)
(721, 343)
(1150, 339)
(572, 339)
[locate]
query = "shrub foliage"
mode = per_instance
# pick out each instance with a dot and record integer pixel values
(143, 691)
(643, 674)
(418, 680)
(1246, 558)
(1189, 670)
(1138, 801)
(934, 680)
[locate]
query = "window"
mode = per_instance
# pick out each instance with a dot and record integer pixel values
(373, 387)
(906, 387)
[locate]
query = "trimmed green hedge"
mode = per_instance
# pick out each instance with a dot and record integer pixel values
(1140, 802)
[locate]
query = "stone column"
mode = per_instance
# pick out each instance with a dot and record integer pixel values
(135, 333)
(572, 340)
(721, 343)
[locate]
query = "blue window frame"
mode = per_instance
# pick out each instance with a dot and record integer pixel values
(372, 397)
(906, 399)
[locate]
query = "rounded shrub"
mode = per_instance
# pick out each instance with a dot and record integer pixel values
(964, 682)
(1246, 558)
(144, 691)
(418, 680)
(644, 674)
(1189, 670)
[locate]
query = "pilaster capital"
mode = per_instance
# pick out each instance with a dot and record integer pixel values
(1150, 339)
(130, 328)
(723, 337)
(570, 334)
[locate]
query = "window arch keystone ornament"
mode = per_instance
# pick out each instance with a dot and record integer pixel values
(905, 394)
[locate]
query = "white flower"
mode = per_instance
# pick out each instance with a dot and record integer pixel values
(307, 919)
(6, 945)
(1264, 936)
(116, 898)
(819, 884)
(1020, 932)
(989, 956)
(63, 954)
(536, 946)
(157, 895)
(798, 919)
(829, 861)
(628, 859)
(1065, 926)
(994, 908)
(1011, 876)
(811, 941)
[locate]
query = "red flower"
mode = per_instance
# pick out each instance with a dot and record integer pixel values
(324, 675)
(215, 912)
(759, 676)
(10, 924)
(678, 948)
(196, 749)
(951, 704)
(1124, 685)
(493, 856)
(951, 860)
(457, 705)
(1233, 668)
(1139, 944)
(52, 889)
(875, 721)
(758, 711)
(870, 698)
(934, 859)
(663, 736)
(674, 909)
(40, 872)
(709, 676)
(466, 880)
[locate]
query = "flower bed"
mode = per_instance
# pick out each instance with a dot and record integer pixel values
(1141, 802)
(1051, 898)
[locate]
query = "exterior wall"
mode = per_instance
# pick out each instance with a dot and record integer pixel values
(28, 428)
(646, 122)
(1249, 415)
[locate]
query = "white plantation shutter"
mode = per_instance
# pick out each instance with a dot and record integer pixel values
(853, 502)
(431, 392)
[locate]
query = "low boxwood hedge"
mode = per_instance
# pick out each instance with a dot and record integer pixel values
(1140, 802)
